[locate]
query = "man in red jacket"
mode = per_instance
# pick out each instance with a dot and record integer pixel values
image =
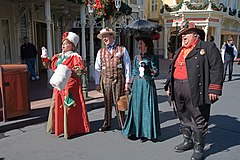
(195, 82)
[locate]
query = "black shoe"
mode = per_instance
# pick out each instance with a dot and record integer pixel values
(104, 128)
(132, 137)
(184, 146)
(143, 139)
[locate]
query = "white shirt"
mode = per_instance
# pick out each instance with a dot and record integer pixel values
(235, 52)
(126, 62)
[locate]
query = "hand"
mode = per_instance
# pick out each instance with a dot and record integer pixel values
(97, 87)
(213, 97)
(127, 87)
(168, 92)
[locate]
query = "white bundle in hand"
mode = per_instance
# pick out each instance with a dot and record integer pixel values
(141, 69)
(44, 52)
(60, 77)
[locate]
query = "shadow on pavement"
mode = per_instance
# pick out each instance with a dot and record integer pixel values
(224, 135)
(36, 116)
(162, 99)
(95, 125)
(38, 89)
(170, 131)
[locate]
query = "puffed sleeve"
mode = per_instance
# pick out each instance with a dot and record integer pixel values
(76, 64)
(135, 70)
(54, 61)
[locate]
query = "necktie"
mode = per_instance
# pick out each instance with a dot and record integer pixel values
(110, 47)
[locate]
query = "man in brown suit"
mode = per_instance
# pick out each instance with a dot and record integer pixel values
(114, 66)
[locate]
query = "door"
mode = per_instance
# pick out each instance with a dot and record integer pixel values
(41, 40)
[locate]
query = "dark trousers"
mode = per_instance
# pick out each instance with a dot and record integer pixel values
(112, 90)
(31, 66)
(195, 117)
(228, 63)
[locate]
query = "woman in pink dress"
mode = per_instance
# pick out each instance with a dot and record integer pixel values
(67, 115)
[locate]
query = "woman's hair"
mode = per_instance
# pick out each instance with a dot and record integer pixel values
(149, 43)
(147, 39)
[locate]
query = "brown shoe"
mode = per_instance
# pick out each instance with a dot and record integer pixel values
(104, 128)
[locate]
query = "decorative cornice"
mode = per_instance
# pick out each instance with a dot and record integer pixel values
(207, 6)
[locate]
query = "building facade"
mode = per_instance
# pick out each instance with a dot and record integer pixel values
(44, 21)
(218, 18)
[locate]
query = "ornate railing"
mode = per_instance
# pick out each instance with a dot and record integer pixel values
(201, 6)
(197, 6)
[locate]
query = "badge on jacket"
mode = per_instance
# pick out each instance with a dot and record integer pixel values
(202, 51)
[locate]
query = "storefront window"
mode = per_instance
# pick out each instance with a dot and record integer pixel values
(233, 4)
(154, 5)
(133, 1)
(223, 2)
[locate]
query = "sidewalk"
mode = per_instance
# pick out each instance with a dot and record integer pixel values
(40, 98)
(222, 139)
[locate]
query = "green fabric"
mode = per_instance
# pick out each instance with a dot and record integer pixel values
(61, 59)
(69, 101)
(143, 114)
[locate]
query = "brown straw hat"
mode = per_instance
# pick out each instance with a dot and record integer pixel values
(188, 27)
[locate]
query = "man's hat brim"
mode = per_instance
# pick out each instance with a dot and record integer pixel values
(197, 30)
(99, 36)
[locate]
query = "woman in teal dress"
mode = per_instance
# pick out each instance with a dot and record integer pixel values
(143, 115)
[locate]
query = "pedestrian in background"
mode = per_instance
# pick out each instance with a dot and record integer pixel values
(28, 55)
(196, 79)
(68, 114)
(212, 39)
(229, 53)
(113, 64)
(143, 114)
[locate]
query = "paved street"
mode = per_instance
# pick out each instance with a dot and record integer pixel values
(222, 143)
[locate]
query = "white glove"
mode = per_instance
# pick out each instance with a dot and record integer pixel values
(44, 52)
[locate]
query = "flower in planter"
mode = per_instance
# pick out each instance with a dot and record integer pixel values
(104, 8)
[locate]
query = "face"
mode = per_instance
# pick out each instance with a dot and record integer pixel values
(67, 46)
(188, 39)
(142, 46)
(25, 40)
(107, 39)
(230, 41)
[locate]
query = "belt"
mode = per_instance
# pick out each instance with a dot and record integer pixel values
(180, 80)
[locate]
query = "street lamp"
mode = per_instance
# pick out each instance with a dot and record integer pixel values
(176, 18)
(90, 9)
(117, 4)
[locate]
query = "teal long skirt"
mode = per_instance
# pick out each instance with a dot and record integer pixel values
(143, 114)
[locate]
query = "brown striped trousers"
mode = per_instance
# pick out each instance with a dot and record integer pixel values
(113, 88)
